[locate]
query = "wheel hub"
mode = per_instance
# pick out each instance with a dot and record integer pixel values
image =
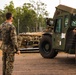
(46, 47)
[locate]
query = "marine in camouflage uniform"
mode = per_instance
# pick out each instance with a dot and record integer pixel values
(9, 45)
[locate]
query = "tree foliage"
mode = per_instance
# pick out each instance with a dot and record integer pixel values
(29, 17)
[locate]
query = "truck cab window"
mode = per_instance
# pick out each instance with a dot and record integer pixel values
(73, 22)
(66, 21)
(58, 25)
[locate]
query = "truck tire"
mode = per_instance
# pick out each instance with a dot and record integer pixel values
(45, 47)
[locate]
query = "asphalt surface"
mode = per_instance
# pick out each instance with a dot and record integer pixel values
(35, 64)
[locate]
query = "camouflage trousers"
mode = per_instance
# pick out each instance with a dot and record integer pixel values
(8, 60)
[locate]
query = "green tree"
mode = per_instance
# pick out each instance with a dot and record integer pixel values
(29, 17)
(10, 8)
(2, 16)
(40, 9)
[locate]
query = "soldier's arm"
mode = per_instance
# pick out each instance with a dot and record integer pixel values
(0, 28)
(0, 34)
(14, 38)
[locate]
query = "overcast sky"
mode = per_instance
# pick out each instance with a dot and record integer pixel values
(51, 4)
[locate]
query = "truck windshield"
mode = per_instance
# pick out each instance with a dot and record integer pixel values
(73, 22)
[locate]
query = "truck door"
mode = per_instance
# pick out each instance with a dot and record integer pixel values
(61, 26)
(57, 33)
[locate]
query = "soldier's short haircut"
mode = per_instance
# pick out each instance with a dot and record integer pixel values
(8, 15)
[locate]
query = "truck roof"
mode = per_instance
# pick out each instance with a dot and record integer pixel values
(66, 8)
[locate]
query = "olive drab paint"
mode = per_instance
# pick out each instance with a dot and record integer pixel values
(62, 35)
(63, 17)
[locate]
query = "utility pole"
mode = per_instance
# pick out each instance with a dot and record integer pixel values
(27, 29)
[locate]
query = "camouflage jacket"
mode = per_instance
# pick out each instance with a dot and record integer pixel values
(9, 37)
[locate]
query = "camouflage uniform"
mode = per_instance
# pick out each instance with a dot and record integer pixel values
(9, 45)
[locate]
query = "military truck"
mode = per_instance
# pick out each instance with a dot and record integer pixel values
(62, 35)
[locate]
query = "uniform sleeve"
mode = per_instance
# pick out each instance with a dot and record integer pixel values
(14, 38)
(0, 28)
(0, 34)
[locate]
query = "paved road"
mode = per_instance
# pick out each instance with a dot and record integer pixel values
(34, 64)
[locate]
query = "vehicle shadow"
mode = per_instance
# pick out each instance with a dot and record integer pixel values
(69, 60)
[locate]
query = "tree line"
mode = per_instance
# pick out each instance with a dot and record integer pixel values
(29, 17)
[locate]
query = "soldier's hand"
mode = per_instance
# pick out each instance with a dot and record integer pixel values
(18, 52)
(74, 31)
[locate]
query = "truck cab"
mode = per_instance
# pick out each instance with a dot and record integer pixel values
(62, 37)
